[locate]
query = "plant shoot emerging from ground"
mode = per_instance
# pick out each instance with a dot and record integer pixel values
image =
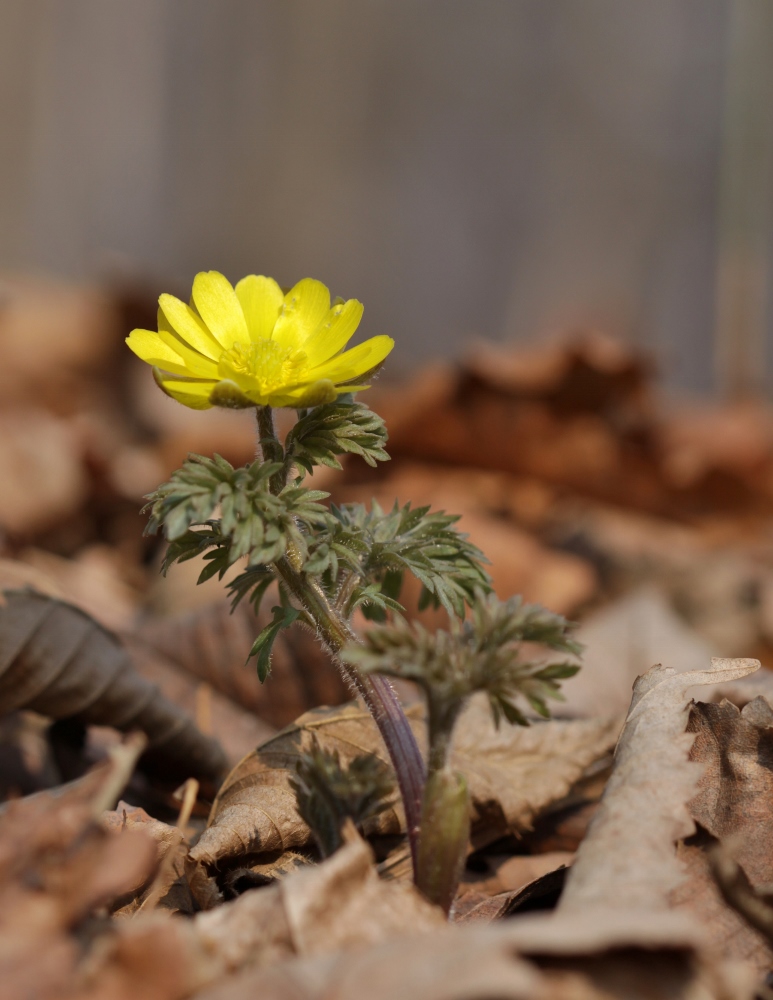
(255, 346)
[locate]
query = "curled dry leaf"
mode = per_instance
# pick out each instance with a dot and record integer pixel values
(512, 773)
(628, 861)
(213, 644)
(255, 809)
(56, 660)
(179, 884)
(326, 907)
(447, 965)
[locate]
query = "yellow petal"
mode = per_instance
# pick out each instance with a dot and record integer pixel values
(195, 363)
(334, 332)
(151, 348)
(261, 299)
(192, 394)
(187, 325)
(355, 363)
(305, 306)
(217, 304)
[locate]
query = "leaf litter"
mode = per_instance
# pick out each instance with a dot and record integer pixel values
(513, 773)
(600, 494)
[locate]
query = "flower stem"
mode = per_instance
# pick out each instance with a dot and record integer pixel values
(335, 631)
(270, 445)
(377, 693)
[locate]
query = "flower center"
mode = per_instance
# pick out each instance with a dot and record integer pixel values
(263, 365)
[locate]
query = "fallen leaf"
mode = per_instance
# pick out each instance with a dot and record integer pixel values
(57, 868)
(512, 773)
(57, 661)
(340, 904)
(93, 581)
(724, 929)
(179, 884)
(524, 959)
(236, 729)
(735, 796)
(214, 644)
(516, 772)
(732, 806)
(337, 904)
(628, 862)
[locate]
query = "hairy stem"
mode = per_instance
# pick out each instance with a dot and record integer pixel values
(270, 445)
(335, 631)
(377, 693)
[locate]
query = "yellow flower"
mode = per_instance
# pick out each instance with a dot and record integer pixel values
(255, 346)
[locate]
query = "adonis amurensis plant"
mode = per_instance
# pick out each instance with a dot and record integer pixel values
(255, 346)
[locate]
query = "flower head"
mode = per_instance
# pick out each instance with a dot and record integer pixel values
(255, 346)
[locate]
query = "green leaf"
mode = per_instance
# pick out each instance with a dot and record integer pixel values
(254, 524)
(335, 429)
(327, 792)
(558, 671)
(283, 618)
(482, 654)
(380, 546)
(253, 582)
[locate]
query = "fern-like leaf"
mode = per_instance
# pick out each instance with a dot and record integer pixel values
(335, 429)
(483, 654)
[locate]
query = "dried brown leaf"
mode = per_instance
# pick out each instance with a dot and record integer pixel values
(57, 867)
(516, 772)
(447, 965)
(527, 959)
(725, 930)
(56, 660)
(512, 774)
(628, 866)
(628, 861)
(734, 806)
(735, 796)
(213, 644)
(236, 729)
(340, 904)
(179, 884)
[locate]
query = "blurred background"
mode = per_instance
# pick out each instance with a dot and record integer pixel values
(504, 168)
(560, 210)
